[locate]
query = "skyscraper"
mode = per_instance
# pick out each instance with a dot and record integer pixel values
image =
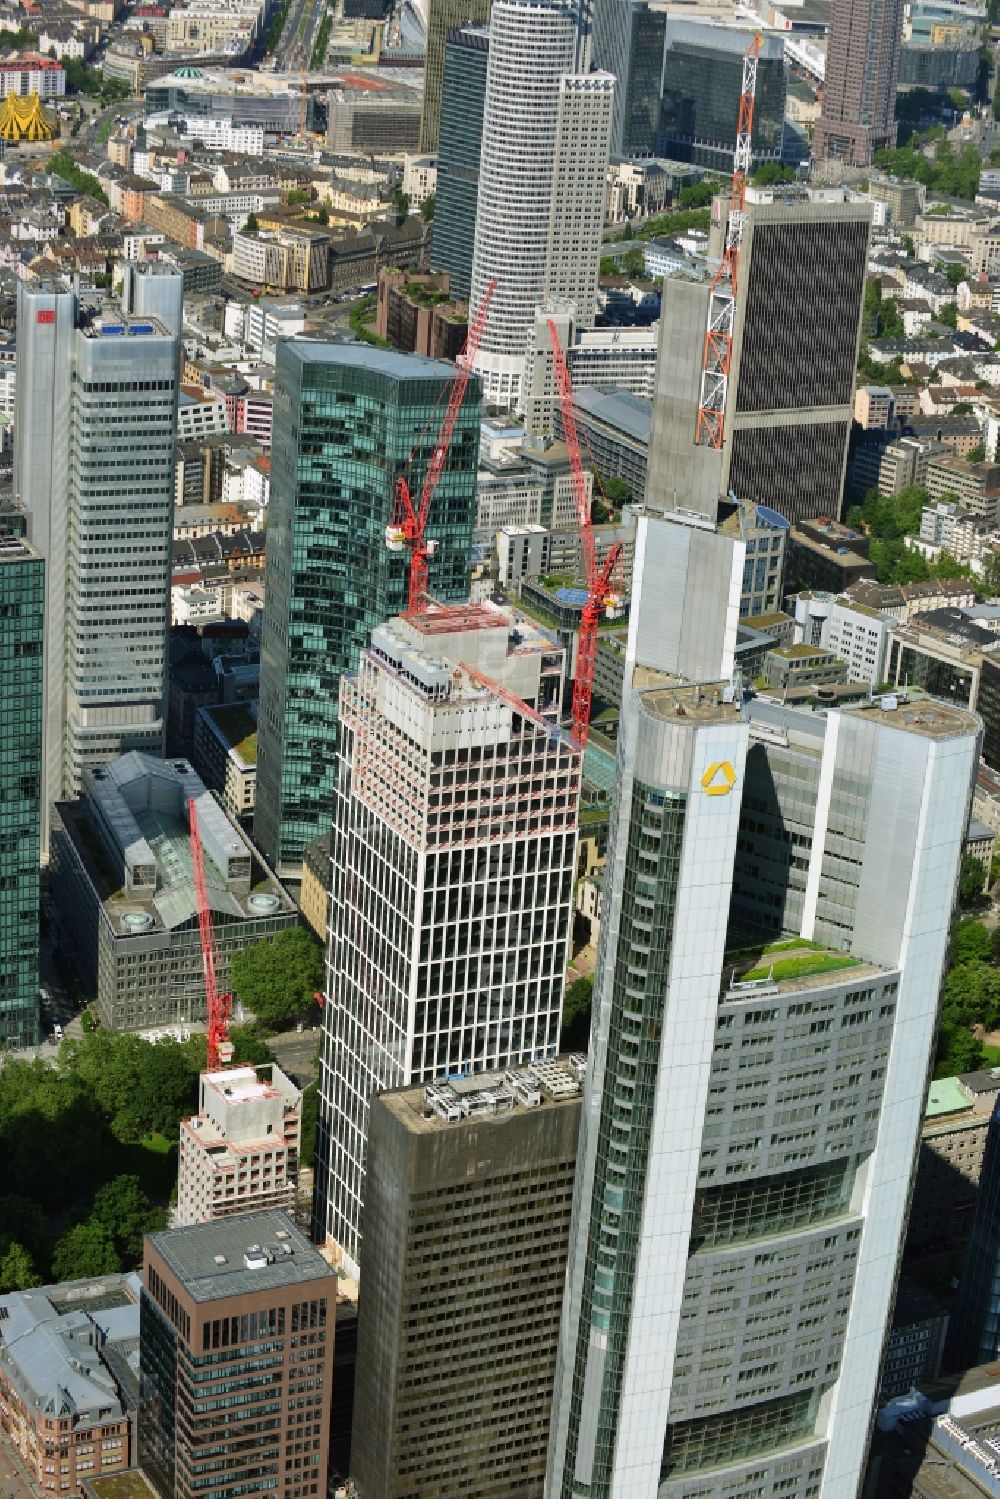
(459, 146)
(475, 1175)
(22, 604)
(443, 16)
(96, 431)
(627, 41)
(348, 419)
(702, 83)
(453, 861)
(859, 90)
(778, 905)
(791, 385)
(542, 183)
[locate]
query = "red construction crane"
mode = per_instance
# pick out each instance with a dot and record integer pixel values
(601, 597)
(218, 1006)
(409, 522)
(718, 354)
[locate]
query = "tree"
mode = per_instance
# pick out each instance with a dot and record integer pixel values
(17, 1269)
(297, 195)
(576, 1014)
(401, 202)
(970, 941)
(276, 979)
(87, 1249)
(323, 215)
(977, 454)
(310, 1107)
(427, 207)
(249, 1047)
(616, 491)
(772, 173)
(122, 1210)
(948, 314)
(697, 194)
(971, 881)
(251, 226)
(958, 1051)
(956, 274)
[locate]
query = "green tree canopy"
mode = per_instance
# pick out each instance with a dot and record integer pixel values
(971, 940)
(122, 1209)
(576, 1014)
(427, 207)
(87, 1249)
(971, 881)
(277, 979)
(17, 1269)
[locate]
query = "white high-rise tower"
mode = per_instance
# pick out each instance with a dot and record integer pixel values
(546, 131)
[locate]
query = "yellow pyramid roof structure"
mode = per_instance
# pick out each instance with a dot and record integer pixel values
(22, 118)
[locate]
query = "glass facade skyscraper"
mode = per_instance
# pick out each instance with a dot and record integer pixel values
(95, 471)
(627, 40)
(460, 142)
(22, 606)
(348, 420)
(777, 909)
(702, 82)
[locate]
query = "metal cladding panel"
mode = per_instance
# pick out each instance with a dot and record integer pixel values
(686, 623)
(897, 766)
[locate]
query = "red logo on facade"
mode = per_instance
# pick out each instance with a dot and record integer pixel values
(46, 315)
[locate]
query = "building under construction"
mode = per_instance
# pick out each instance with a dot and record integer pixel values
(453, 861)
(240, 1152)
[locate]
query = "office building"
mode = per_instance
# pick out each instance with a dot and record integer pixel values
(240, 1152)
(349, 420)
(442, 18)
(22, 605)
(94, 468)
(975, 1328)
(372, 115)
(764, 533)
(855, 632)
(459, 146)
(475, 1175)
(790, 393)
(616, 426)
(449, 934)
(68, 1390)
(627, 41)
(123, 880)
(916, 1340)
(950, 1163)
(702, 83)
(248, 1304)
(225, 754)
(738, 1209)
(859, 90)
(540, 212)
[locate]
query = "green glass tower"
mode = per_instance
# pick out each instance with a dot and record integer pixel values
(348, 420)
(22, 602)
(461, 138)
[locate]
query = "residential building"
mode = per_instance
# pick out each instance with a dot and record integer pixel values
(22, 608)
(873, 406)
(68, 1379)
(616, 427)
(540, 211)
(284, 260)
(740, 1197)
(225, 754)
(976, 486)
(443, 17)
(855, 632)
(628, 39)
(314, 892)
(802, 665)
(249, 1303)
(30, 73)
(414, 313)
(94, 468)
(476, 1174)
(702, 83)
(826, 555)
(463, 101)
(790, 397)
(905, 601)
(859, 88)
(950, 1162)
(454, 909)
(349, 420)
(240, 1152)
(123, 879)
(915, 1345)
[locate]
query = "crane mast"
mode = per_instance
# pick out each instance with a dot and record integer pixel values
(601, 597)
(717, 356)
(408, 527)
(219, 1051)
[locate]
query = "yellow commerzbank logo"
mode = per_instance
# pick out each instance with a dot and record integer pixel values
(719, 779)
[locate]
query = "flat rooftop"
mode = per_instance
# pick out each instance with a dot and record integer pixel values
(132, 1484)
(209, 1259)
(431, 1107)
(16, 549)
(662, 698)
(945, 1096)
(930, 718)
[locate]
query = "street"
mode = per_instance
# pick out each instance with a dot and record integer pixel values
(298, 35)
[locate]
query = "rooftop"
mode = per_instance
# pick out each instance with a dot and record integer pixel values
(929, 717)
(16, 549)
(236, 726)
(386, 362)
(662, 698)
(131, 1484)
(434, 1106)
(211, 1259)
(787, 961)
(946, 1097)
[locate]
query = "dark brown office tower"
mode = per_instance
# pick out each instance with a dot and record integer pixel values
(790, 396)
(236, 1353)
(859, 95)
(466, 1230)
(442, 16)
